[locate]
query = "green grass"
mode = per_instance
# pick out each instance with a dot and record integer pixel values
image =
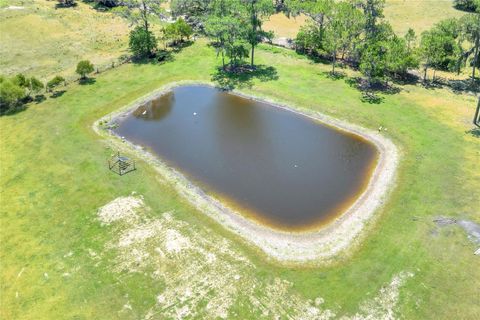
(54, 177)
(42, 41)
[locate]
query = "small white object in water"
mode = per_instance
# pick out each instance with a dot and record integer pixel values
(296, 166)
(144, 112)
(194, 113)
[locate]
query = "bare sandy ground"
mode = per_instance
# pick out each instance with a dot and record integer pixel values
(294, 247)
(205, 275)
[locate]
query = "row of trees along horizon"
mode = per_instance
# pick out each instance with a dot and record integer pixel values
(353, 31)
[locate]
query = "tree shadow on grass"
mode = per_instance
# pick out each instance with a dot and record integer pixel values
(405, 79)
(87, 81)
(459, 86)
(160, 57)
(39, 98)
(337, 75)
(372, 92)
(64, 6)
(179, 46)
(475, 132)
(98, 6)
(13, 111)
(314, 57)
(371, 97)
(57, 94)
(464, 85)
(243, 76)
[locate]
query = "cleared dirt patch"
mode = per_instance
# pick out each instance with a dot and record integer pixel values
(123, 208)
(205, 277)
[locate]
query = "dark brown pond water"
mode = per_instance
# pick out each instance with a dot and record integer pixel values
(272, 165)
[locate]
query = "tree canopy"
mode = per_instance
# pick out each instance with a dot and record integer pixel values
(140, 13)
(55, 82)
(84, 67)
(11, 95)
(177, 31)
(142, 42)
(16, 91)
(468, 5)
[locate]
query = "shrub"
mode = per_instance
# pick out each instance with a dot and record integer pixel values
(21, 80)
(177, 31)
(184, 29)
(467, 5)
(35, 85)
(11, 95)
(84, 67)
(55, 82)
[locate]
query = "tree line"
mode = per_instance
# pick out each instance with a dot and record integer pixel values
(234, 25)
(355, 32)
(351, 31)
(18, 90)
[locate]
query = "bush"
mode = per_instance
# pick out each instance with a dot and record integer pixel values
(21, 80)
(467, 5)
(55, 82)
(84, 67)
(308, 41)
(32, 84)
(11, 95)
(177, 31)
(35, 85)
(142, 43)
(184, 29)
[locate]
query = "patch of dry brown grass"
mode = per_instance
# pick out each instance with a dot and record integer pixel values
(42, 41)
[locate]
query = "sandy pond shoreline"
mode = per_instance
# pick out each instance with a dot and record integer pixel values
(297, 247)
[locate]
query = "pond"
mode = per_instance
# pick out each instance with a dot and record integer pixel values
(269, 164)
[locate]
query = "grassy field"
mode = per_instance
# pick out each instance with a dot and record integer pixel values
(59, 262)
(39, 40)
(283, 26)
(420, 15)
